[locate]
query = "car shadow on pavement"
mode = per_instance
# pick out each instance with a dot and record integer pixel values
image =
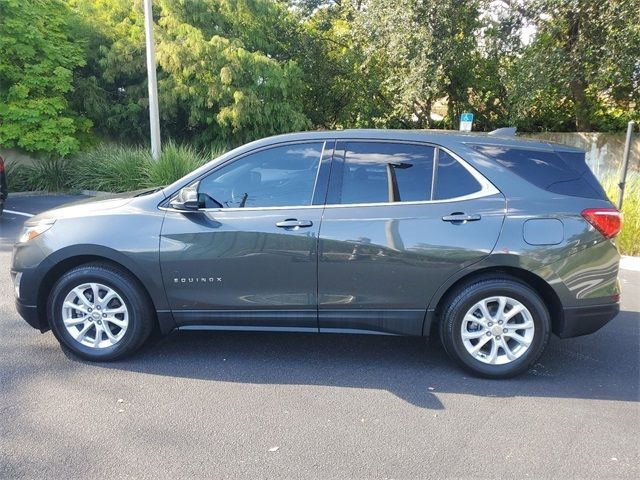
(414, 369)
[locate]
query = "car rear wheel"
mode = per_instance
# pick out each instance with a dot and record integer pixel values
(495, 327)
(99, 312)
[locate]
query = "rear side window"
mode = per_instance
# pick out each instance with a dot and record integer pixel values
(565, 173)
(386, 172)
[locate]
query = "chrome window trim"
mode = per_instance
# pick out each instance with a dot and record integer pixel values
(487, 188)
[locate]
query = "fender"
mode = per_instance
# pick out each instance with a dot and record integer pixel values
(147, 272)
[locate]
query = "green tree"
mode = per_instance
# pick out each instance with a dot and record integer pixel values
(224, 71)
(38, 58)
(582, 66)
(426, 49)
(342, 88)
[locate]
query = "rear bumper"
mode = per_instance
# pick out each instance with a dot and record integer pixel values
(577, 321)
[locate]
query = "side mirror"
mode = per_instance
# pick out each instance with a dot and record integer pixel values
(186, 199)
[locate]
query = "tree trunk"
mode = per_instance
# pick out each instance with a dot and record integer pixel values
(577, 84)
(581, 105)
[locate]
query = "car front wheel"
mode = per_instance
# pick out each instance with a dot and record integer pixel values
(495, 327)
(99, 312)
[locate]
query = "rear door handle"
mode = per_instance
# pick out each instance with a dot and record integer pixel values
(294, 223)
(461, 217)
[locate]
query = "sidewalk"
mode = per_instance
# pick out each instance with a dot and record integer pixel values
(630, 263)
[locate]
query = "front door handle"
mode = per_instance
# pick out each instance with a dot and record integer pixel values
(461, 218)
(294, 223)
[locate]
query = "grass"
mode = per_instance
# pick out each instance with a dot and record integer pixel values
(628, 240)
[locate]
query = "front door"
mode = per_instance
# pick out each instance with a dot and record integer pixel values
(400, 219)
(248, 258)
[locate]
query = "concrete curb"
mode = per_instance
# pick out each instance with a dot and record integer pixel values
(37, 193)
(630, 263)
(94, 193)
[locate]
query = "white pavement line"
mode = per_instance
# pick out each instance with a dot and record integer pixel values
(630, 263)
(18, 213)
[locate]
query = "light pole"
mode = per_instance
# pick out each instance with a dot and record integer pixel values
(154, 116)
(625, 163)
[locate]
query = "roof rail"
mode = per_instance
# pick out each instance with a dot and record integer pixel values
(504, 132)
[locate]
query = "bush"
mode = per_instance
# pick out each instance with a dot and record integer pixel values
(51, 175)
(111, 168)
(628, 240)
(174, 163)
(116, 168)
(107, 168)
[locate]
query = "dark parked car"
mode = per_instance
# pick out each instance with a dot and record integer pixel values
(491, 242)
(3, 185)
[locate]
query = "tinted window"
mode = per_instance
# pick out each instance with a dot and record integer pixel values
(452, 179)
(386, 172)
(277, 177)
(561, 172)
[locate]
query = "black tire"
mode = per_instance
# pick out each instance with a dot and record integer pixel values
(463, 299)
(141, 314)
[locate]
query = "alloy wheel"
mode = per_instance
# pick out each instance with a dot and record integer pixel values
(95, 315)
(497, 330)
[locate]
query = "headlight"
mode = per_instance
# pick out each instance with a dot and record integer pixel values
(29, 232)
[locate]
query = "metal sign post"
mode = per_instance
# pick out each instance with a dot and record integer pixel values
(625, 163)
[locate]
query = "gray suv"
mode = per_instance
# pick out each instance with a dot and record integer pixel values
(490, 242)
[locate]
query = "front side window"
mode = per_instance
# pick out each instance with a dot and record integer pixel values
(275, 177)
(386, 172)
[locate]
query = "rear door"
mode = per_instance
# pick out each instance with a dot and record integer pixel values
(400, 219)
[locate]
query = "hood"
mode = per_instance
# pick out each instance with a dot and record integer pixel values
(92, 206)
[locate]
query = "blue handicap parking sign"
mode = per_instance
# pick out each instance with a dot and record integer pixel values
(466, 117)
(466, 121)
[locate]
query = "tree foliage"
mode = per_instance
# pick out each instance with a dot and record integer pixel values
(38, 59)
(222, 73)
(582, 67)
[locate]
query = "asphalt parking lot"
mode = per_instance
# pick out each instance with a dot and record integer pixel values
(256, 405)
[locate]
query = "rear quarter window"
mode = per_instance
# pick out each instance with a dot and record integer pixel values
(452, 179)
(565, 173)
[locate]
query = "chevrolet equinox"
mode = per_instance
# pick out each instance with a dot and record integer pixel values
(488, 241)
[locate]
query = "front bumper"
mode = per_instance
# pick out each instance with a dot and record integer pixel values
(30, 315)
(577, 321)
(26, 298)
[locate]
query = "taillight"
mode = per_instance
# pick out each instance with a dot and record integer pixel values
(607, 221)
(1, 165)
